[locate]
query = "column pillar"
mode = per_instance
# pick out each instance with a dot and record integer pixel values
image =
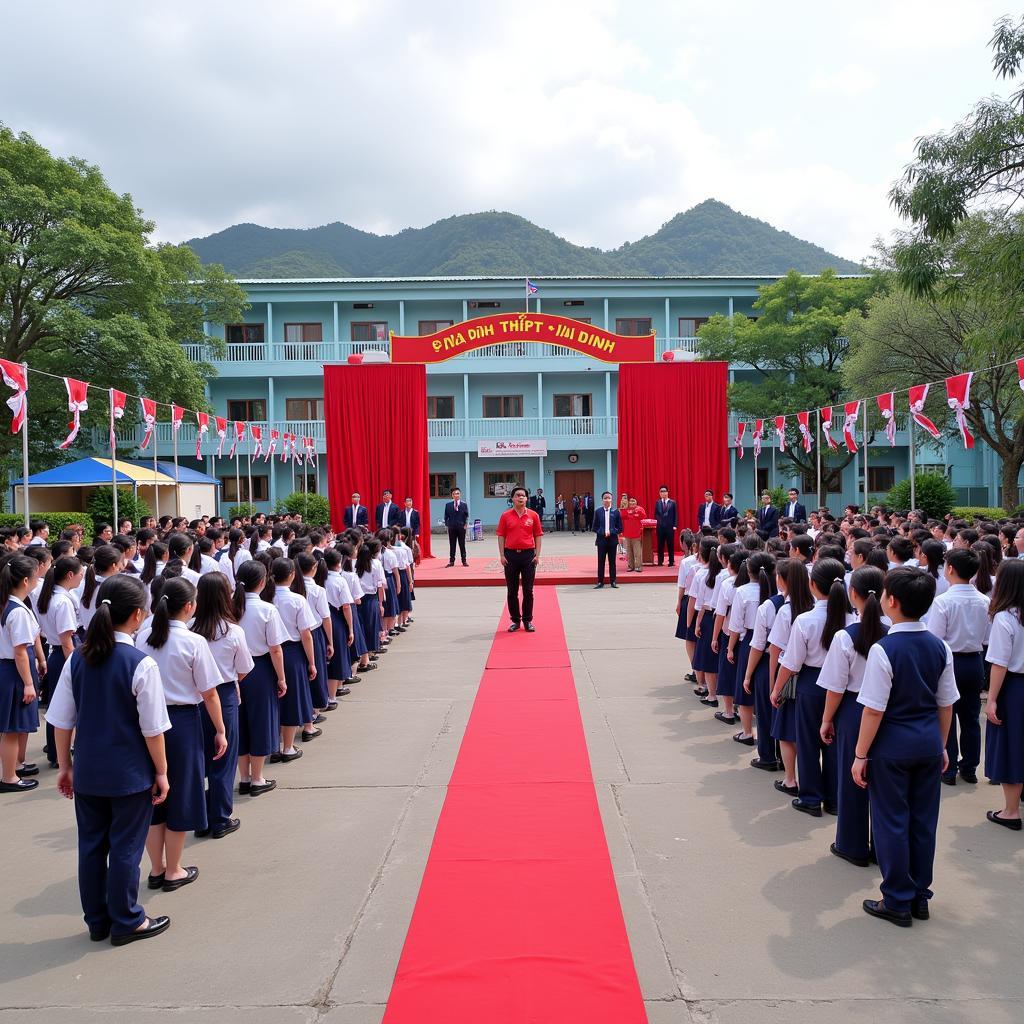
(730, 307)
(541, 460)
(608, 400)
(606, 327)
(608, 476)
(540, 400)
(465, 309)
(401, 316)
(465, 403)
(270, 327)
(272, 493)
(337, 340)
(471, 497)
(668, 320)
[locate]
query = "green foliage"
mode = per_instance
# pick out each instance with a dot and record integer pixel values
(242, 510)
(934, 495)
(314, 508)
(1018, 511)
(58, 520)
(708, 239)
(973, 512)
(778, 496)
(100, 506)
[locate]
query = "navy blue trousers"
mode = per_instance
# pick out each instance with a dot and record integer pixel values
(852, 830)
(111, 837)
(904, 815)
(767, 745)
(965, 750)
(815, 762)
(220, 774)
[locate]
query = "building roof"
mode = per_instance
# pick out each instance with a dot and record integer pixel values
(95, 472)
(519, 279)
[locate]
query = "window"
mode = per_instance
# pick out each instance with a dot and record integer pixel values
(832, 482)
(572, 405)
(762, 482)
(303, 408)
(310, 483)
(440, 407)
(229, 493)
(243, 334)
(633, 325)
(442, 484)
(247, 409)
(500, 484)
(433, 326)
(881, 479)
(688, 326)
(302, 341)
(503, 406)
(376, 330)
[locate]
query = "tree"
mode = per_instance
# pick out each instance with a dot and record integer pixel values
(796, 349)
(84, 294)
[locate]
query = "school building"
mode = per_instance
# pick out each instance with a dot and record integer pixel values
(270, 373)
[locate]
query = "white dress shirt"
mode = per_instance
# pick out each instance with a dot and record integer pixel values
(744, 608)
(208, 564)
(242, 555)
(186, 665)
(295, 612)
(607, 512)
(231, 652)
(316, 596)
(355, 587)
(60, 616)
(385, 512)
(960, 617)
(687, 567)
(147, 689)
(20, 630)
(805, 646)
(86, 612)
(781, 627)
(711, 594)
(261, 623)
(338, 593)
(408, 517)
(725, 595)
(763, 622)
(877, 683)
(1006, 642)
(843, 670)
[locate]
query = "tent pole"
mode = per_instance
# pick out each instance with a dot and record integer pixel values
(156, 483)
(24, 450)
(177, 486)
(113, 459)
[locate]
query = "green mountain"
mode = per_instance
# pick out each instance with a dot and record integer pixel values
(708, 239)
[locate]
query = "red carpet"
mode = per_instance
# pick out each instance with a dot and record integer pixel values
(558, 570)
(518, 918)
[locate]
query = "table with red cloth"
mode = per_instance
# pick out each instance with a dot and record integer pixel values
(650, 529)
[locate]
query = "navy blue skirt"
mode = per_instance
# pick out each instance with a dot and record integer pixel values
(369, 615)
(681, 619)
(726, 668)
(358, 646)
(54, 666)
(704, 659)
(405, 597)
(390, 597)
(340, 665)
(259, 715)
(784, 719)
(296, 706)
(1004, 744)
(318, 686)
(15, 714)
(691, 629)
(742, 698)
(185, 806)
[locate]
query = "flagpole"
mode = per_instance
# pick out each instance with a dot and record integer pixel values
(913, 473)
(757, 497)
(249, 500)
(773, 467)
(156, 482)
(865, 447)
(820, 502)
(177, 488)
(24, 447)
(305, 494)
(113, 457)
(527, 295)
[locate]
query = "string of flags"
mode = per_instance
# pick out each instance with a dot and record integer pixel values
(958, 398)
(300, 450)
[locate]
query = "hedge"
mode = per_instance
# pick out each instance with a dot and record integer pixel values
(58, 521)
(973, 512)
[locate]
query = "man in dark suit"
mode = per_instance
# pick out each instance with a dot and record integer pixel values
(356, 514)
(667, 516)
(456, 516)
(588, 510)
(410, 518)
(767, 518)
(793, 509)
(709, 513)
(607, 527)
(730, 514)
(387, 511)
(539, 503)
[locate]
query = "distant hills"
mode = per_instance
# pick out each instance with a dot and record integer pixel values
(709, 239)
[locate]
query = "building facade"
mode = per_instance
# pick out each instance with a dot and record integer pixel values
(270, 373)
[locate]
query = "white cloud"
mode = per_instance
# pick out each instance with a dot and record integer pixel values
(850, 80)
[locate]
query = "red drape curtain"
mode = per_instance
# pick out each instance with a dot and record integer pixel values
(673, 430)
(376, 421)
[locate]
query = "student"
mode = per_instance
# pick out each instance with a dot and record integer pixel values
(1004, 732)
(216, 622)
(342, 607)
(960, 617)
(107, 561)
(111, 695)
(841, 677)
(323, 633)
(742, 619)
(190, 677)
(705, 664)
(57, 612)
(908, 694)
(372, 596)
(359, 653)
(406, 562)
(298, 619)
(930, 557)
(733, 561)
(154, 563)
(259, 715)
(393, 581)
(181, 551)
(684, 601)
(21, 665)
(756, 680)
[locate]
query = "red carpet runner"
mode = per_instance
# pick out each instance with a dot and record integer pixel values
(518, 918)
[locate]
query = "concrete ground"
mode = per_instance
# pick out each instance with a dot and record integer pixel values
(735, 909)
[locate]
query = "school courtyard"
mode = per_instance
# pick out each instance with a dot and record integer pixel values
(735, 910)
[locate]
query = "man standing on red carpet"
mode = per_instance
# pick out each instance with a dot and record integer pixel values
(519, 541)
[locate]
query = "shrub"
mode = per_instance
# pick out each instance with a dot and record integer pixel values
(244, 509)
(314, 508)
(1018, 511)
(58, 520)
(972, 512)
(100, 506)
(935, 495)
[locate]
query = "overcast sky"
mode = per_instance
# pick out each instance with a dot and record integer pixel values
(597, 119)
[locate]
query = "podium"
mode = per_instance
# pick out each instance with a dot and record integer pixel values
(647, 541)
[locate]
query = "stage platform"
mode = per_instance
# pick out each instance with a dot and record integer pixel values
(554, 570)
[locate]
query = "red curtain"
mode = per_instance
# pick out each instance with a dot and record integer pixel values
(673, 430)
(376, 421)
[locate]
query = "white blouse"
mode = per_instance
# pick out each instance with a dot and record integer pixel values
(231, 652)
(186, 665)
(261, 623)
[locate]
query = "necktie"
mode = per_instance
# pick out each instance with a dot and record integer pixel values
(606, 520)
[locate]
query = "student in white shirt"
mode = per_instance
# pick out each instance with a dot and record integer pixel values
(756, 679)
(931, 556)
(705, 662)
(307, 584)
(742, 618)
(342, 608)
(181, 551)
(237, 552)
(107, 561)
(190, 677)
(726, 682)
(687, 567)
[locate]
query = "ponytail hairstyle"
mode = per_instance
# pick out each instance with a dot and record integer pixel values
(249, 579)
(178, 545)
(303, 563)
(280, 571)
(332, 559)
(214, 610)
(364, 559)
(347, 556)
(320, 576)
(104, 559)
(761, 570)
(257, 535)
(714, 564)
(235, 538)
(1008, 595)
(983, 579)
(60, 548)
(934, 552)
(738, 567)
(154, 556)
(17, 568)
(869, 583)
(829, 577)
(65, 566)
(204, 546)
(169, 598)
(798, 588)
(122, 595)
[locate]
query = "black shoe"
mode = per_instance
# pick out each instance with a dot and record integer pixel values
(513, 627)
(450, 565)
(747, 741)
(21, 786)
(1013, 824)
(530, 627)
(266, 787)
(690, 677)
(465, 565)
(721, 716)
(100, 936)
(831, 809)
(919, 909)
(308, 737)
(319, 719)
(969, 775)
(599, 586)
(285, 758)
(27, 770)
(615, 586)
(244, 788)
(332, 705)
(861, 862)
(344, 691)
(783, 788)
(877, 908)
(949, 779)
(155, 927)
(814, 810)
(368, 668)
(765, 766)
(710, 702)
(201, 833)
(233, 825)
(155, 881)
(191, 874)
(275, 757)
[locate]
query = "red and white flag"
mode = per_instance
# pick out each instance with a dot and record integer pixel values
(740, 430)
(887, 407)
(1020, 373)
(918, 396)
(851, 411)
(203, 423)
(149, 418)
(176, 417)
(257, 436)
(296, 457)
(758, 435)
(826, 427)
(78, 402)
(15, 379)
(803, 421)
(222, 432)
(287, 446)
(958, 393)
(117, 404)
(238, 439)
(311, 453)
(274, 437)
(780, 432)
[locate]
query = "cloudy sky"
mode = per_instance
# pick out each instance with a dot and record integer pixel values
(598, 119)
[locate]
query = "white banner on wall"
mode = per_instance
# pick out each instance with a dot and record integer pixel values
(506, 449)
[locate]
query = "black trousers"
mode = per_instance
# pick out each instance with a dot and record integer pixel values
(520, 568)
(667, 542)
(456, 535)
(965, 751)
(588, 518)
(606, 550)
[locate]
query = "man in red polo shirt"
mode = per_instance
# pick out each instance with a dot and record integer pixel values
(519, 540)
(632, 532)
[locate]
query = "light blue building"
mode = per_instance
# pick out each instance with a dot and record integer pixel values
(270, 374)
